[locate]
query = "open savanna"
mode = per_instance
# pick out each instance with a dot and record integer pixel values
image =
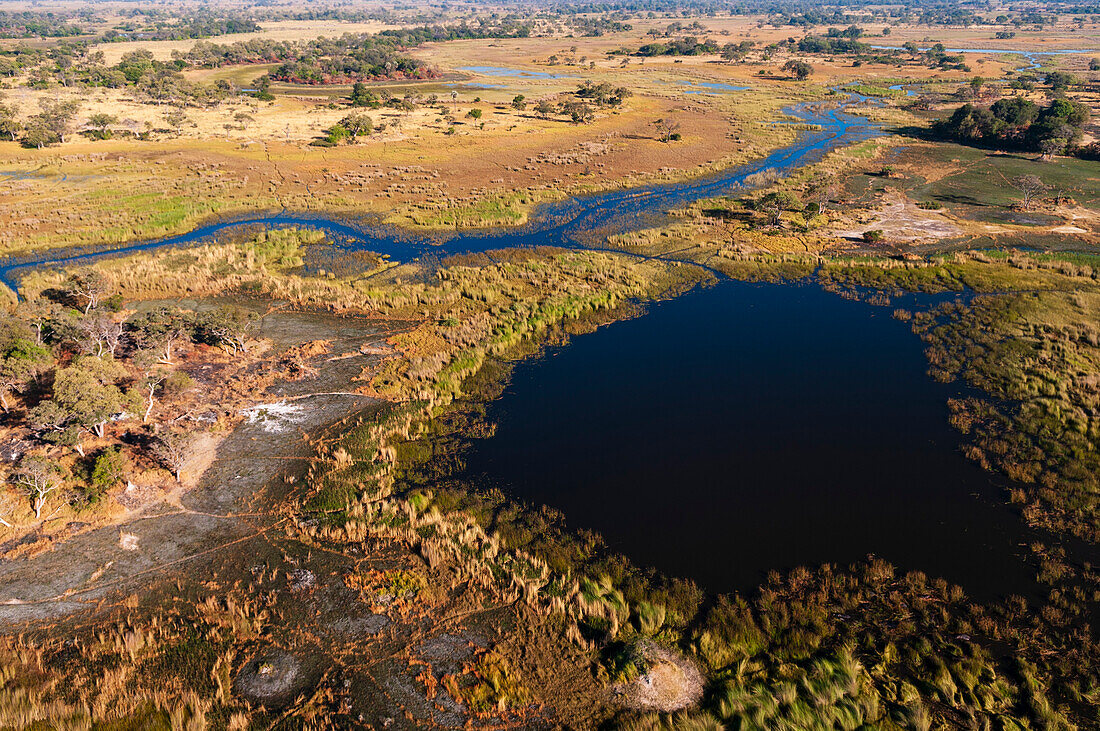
(413, 171)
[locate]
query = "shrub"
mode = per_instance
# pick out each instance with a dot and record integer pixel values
(109, 469)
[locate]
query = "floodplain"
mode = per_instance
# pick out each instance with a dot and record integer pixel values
(549, 367)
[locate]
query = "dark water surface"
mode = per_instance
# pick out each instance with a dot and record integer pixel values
(744, 428)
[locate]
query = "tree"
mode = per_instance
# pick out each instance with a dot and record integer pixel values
(176, 118)
(21, 359)
(667, 129)
(1052, 146)
(37, 135)
(243, 119)
(38, 477)
(100, 124)
(519, 102)
(736, 51)
(99, 333)
(174, 449)
(160, 330)
(579, 112)
(357, 124)
(91, 286)
(57, 116)
(227, 327)
(799, 69)
(544, 108)
(9, 121)
(52, 425)
(474, 113)
(1059, 81)
(87, 391)
(824, 191)
(1094, 64)
(361, 96)
(42, 315)
(773, 204)
(7, 507)
(1029, 186)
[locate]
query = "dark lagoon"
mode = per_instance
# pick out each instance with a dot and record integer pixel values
(744, 428)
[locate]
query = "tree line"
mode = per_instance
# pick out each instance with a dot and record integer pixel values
(351, 57)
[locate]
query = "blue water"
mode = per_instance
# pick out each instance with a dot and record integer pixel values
(579, 221)
(909, 90)
(747, 428)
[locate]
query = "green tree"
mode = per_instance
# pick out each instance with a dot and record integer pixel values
(100, 124)
(57, 116)
(136, 64)
(36, 134)
(9, 121)
(798, 69)
(21, 360)
(88, 392)
(773, 204)
(357, 124)
(361, 96)
(519, 102)
(160, 330)
(474, 113)
(176, 119)
(228, 327)
(263, 89)
(1059, 81)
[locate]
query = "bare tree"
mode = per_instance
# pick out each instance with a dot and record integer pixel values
(1029, 186)
(100, 334)
(667, 129)
(7, 507)
(174, 449)
(90, 286)
(824, 191)
(38, 477)
(152, 379)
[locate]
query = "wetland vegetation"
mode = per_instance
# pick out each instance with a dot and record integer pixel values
(311, 469)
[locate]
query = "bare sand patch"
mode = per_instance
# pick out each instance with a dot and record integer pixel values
(901, 219)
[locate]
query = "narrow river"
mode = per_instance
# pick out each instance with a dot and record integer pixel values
(564, 223)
